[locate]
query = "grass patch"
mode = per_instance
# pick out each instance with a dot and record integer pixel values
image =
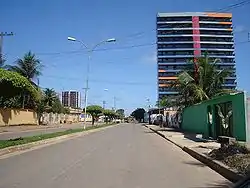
(25, 140)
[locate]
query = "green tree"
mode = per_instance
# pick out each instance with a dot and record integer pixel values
(95, 111)
(17, 91)
(120, 113)
(50, 103)
(29, 67)
(138, 114)
(50, 97)
(165, 102)
(109, 115)
(201, 82)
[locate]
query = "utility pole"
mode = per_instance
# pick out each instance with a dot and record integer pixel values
(103, 104)
(114, 103)
(248, 36)
(3, 34)
(148, 102)
(86, 103)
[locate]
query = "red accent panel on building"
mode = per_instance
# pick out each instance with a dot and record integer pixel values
(196, 40)
(196, 37)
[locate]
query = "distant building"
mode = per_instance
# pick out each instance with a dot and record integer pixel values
(71, 99)
(188, 35)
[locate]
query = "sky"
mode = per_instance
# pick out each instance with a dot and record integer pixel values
(126, 69)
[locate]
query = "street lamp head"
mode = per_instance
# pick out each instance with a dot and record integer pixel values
(106, 89)
(71, 38)
(111, 40)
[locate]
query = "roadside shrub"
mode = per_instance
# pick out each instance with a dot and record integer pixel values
(230, 150)
(240, 162)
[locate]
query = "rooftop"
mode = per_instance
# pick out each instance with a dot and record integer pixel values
(209, 14)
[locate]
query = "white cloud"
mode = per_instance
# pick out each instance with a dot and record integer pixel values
(239, 28)
(150, 58)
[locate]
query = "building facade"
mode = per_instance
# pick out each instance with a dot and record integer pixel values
(182, 37)
(71, 99)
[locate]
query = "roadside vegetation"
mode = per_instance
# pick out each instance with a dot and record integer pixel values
(200, 81)
(25, 140)
(236, 156)
(20, 89)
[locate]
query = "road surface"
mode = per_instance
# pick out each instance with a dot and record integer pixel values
(43, 130)
(125, 156)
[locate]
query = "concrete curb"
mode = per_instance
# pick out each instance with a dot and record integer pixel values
(217, 166)
(18, 149)
(162, 135)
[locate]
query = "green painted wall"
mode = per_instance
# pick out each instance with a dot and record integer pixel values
(195, 117)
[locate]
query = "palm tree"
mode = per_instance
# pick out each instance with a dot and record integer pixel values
(164, 102)
(49, 97)
(29, 67)
(203, 81)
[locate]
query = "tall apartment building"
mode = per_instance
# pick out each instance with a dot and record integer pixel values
(184, 36)
(71, 99)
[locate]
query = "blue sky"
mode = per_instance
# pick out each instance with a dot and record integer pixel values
(127, 73)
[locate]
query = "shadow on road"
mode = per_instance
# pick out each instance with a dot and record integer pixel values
(222, 184)
(195, 163)
(149, 132)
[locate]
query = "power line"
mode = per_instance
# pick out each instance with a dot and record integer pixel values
(236, 5)
(229, 7)
(97, 50)
(100, 81)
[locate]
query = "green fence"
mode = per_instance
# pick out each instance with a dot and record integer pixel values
(224, 115)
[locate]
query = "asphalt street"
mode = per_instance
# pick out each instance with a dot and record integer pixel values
(124, 156)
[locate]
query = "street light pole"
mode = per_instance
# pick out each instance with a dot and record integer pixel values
(90, 51)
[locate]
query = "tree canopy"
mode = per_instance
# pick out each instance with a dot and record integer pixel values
(120, 113)
(109, 114)
(29, 67)
(138, 114)
(95, 111)
(13, 84)
(201, 81)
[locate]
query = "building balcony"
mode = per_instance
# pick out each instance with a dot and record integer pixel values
(174, 22)
(192, 49)
(229, 85)
(192, 35)
(191, 42)
(167, 92)
(192, 56)
(233, 63)
(169, 70)
(191, 28)
(172, 63)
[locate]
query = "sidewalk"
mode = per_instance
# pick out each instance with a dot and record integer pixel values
(182, 139)
(197, 147)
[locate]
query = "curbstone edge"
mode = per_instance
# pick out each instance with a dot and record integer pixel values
(215, 165)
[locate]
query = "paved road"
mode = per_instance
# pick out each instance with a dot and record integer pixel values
(17, 134)
(125, 156)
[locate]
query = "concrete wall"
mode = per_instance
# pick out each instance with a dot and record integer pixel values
(50, 118)
(29, 117)
(195, 117)
(17, 117)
